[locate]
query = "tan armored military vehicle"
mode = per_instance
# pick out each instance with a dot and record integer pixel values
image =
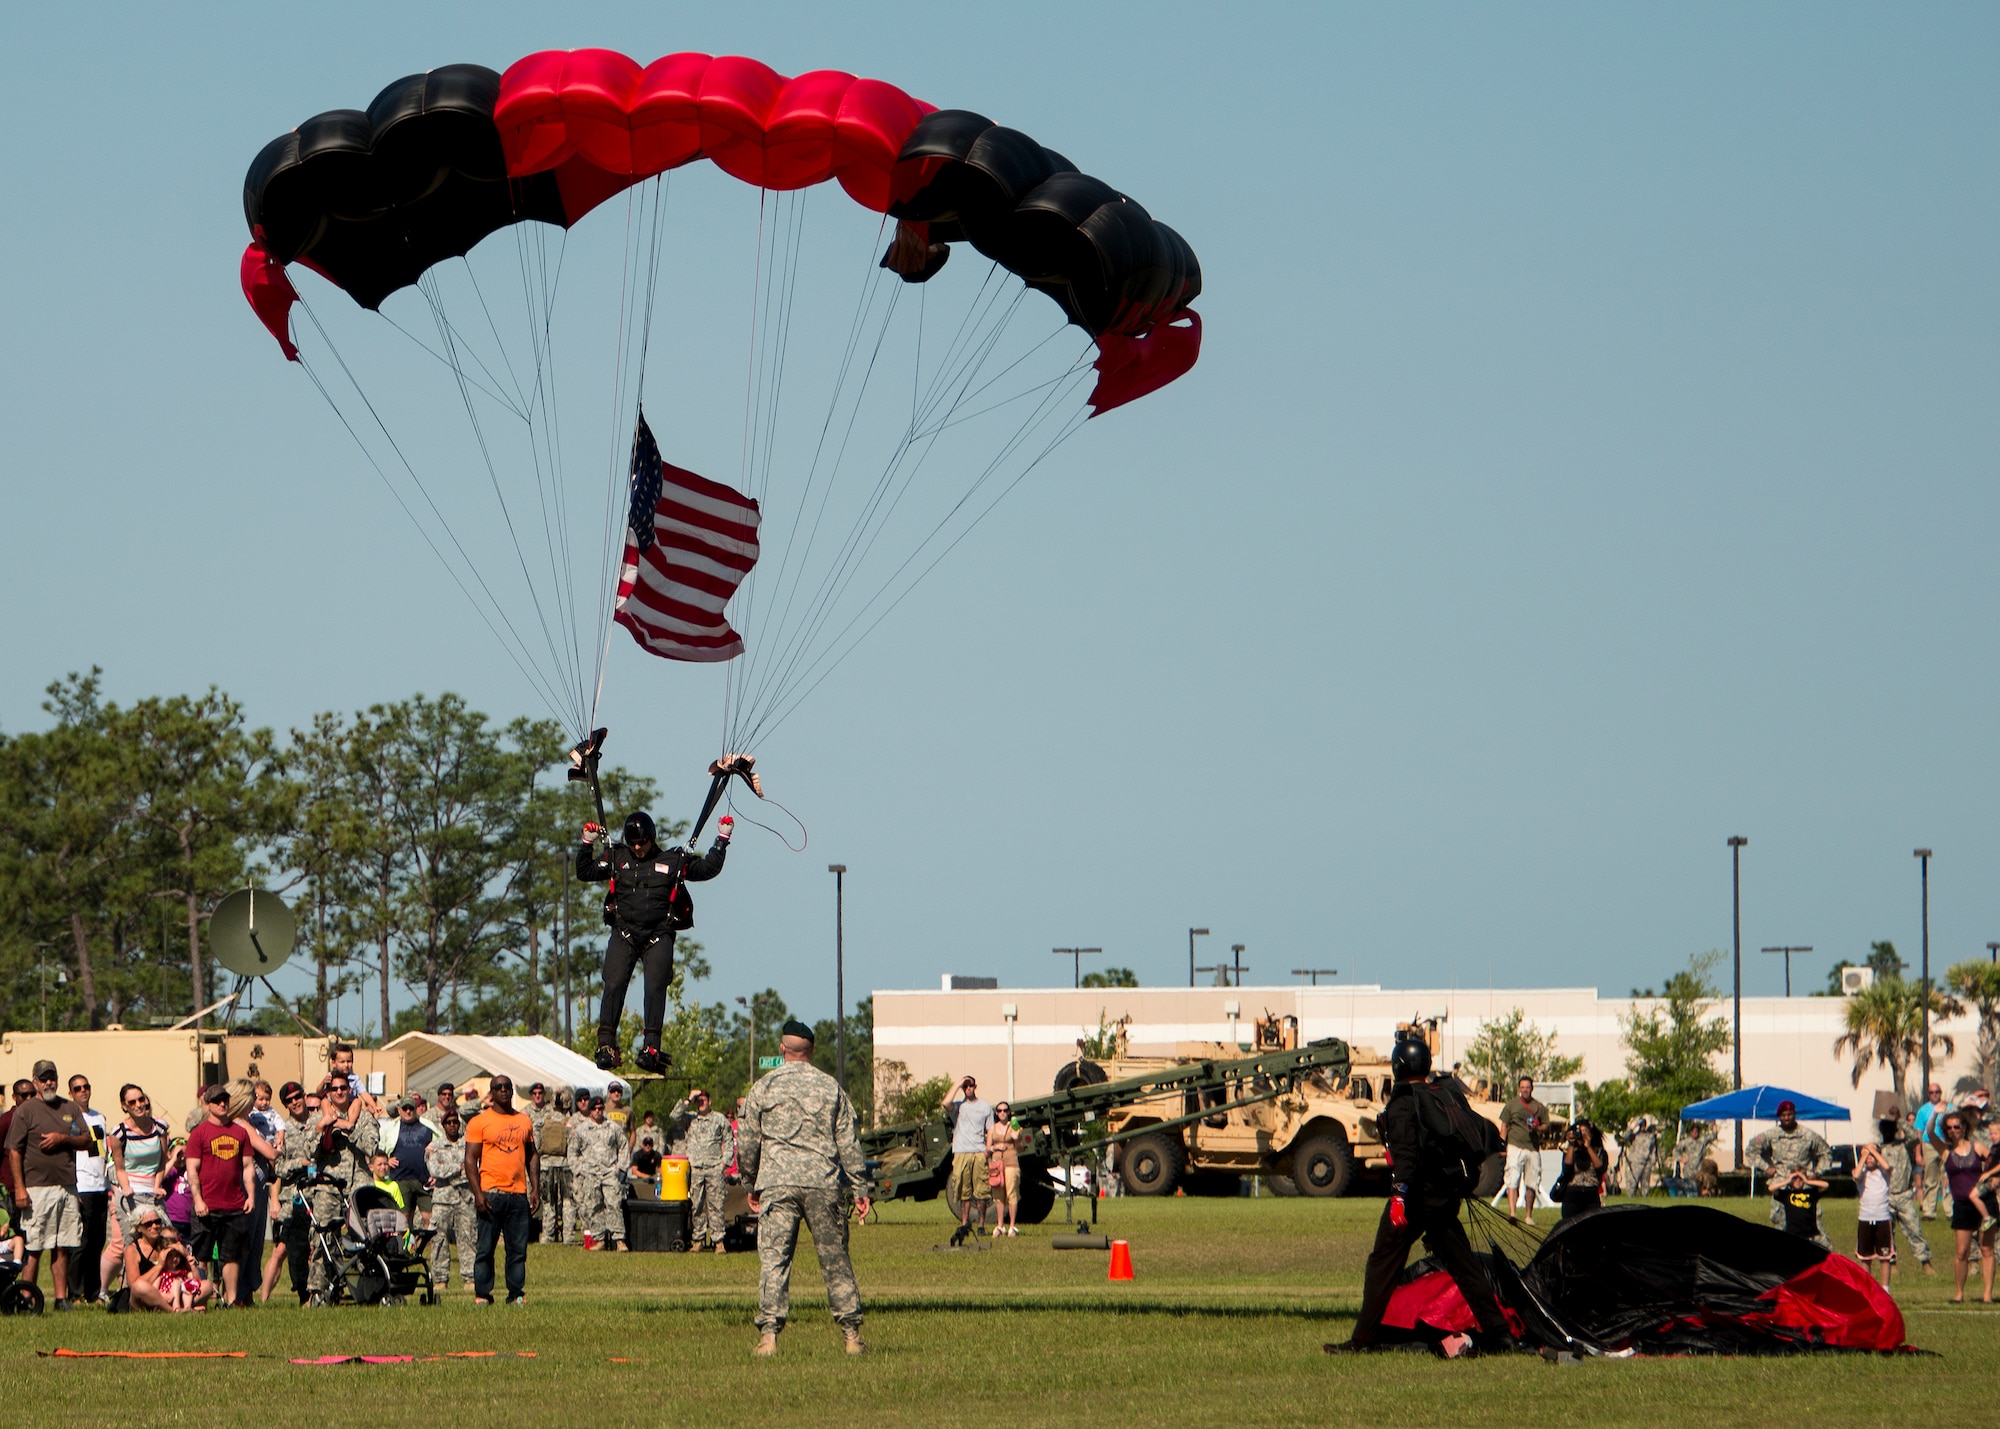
(1314, 1141)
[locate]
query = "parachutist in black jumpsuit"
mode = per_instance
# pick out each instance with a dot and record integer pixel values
(644, 879)
(1430, 1210)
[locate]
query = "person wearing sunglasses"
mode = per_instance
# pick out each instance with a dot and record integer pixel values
(1003, 1158)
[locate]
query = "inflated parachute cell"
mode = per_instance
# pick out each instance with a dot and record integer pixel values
(440, 160)
(371, 199)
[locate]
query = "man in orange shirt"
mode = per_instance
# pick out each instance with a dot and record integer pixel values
(504, 1172)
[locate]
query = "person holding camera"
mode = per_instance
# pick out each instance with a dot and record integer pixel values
(1522, 1121)
(1585, 1166)
(969, 1118)
(1429, 1179)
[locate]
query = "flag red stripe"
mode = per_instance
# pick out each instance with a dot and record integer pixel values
(671, 599)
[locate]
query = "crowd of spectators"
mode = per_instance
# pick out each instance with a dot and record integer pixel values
(136, 1213)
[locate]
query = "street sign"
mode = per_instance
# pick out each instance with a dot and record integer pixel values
(765, 1064)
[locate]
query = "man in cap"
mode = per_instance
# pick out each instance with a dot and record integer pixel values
(1931, 1194)
(1786, 1148)
(221, 1172)
(969, 1115)
(42, 1141)
(596, 1161)
(451, 1203)
(341, 1138)
(704, 1136)
(798, 1147)
(551, 1121)
(291, 1227)
(647, 906)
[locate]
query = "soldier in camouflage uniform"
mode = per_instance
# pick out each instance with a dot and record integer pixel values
(291, 1229)
(551, 1123)
(1640, 1155)
(1904, 1174)
(597, 1156)
(797, 1146)
(1787, 1148)
(339, 1139)
(1690, 1151)
(706, 1141)
(452, 1216)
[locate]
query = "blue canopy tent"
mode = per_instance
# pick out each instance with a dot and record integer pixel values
(1761, 1104)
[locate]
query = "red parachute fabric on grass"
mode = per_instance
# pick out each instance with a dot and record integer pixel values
(1838, 1303)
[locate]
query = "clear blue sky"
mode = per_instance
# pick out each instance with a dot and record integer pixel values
(1592, 456)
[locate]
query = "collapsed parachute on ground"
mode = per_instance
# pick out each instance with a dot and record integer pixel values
(1665, 1281)
(371, 199)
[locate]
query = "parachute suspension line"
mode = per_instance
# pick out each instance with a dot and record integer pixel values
(512, 643)
(795, 642)
(537, 279)
(427, 285)
(792, 696)
(780, 293)
(494, 393)
(662, 190)
(954, 373)
(872, 279)
(610, 532)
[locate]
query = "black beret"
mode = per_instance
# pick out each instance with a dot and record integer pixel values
(796, 1028)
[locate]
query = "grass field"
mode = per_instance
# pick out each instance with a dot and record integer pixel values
(1223, 1326)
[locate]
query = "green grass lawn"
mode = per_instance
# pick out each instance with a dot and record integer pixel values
(1223, 1326)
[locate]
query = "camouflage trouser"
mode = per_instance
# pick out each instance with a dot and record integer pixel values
(329, 1203)
(1903, 1210)
(599, 1203)
(705, 1195)
(556, 1217)
(825, 1213)
(453, 1220)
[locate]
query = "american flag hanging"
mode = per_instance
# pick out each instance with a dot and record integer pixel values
(689, 542)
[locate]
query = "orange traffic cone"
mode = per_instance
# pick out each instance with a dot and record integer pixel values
(1121, 1260)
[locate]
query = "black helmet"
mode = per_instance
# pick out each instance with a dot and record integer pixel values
(1411, 1061)
(639, 828)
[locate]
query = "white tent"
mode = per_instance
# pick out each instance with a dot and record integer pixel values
(430, 1058)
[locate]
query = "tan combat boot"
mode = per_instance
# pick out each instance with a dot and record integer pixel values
(766, 1347)
(855, 1344)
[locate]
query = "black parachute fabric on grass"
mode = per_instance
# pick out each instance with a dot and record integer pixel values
(373, 198)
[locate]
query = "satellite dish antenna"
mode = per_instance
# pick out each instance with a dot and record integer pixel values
(250, 932)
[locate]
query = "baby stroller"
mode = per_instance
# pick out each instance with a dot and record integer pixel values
(373, 1257)
(17, 1296)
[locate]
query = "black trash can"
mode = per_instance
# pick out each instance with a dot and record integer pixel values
(657, 1225)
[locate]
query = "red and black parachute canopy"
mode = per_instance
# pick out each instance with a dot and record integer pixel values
(372, 198)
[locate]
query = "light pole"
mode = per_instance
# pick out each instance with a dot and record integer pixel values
(1992, 954)
(1736, 842)
(751, 1004)
(1193, 933)
(1923, 857)
(1077, 954)
(839, 872)
(1788, 951)
(1315, 973)
(1237, 950)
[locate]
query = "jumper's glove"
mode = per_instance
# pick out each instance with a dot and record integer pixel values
(593, 834)
(1398, 1216)
(725, 827)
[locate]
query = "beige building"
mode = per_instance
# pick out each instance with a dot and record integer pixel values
(1014, 1039)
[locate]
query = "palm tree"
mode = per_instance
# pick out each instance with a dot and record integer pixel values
(1885, 1023)
(1979, 985)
